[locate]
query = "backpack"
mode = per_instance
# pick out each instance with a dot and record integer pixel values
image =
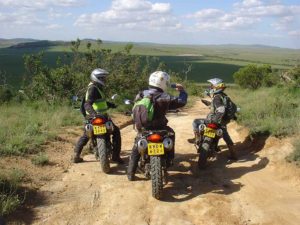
(230, 108)
(148, 103)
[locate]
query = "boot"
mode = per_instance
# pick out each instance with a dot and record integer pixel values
(196, 139)
(232, 153)
(76, 158)
(118, 160)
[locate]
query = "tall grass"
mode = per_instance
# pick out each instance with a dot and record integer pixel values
(273, 110)
(26, 126)
(10, 197)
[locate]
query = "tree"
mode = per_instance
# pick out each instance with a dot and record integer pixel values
(253, 76)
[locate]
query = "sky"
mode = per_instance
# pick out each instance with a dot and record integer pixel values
(269, 22)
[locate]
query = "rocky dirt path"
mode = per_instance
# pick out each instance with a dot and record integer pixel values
(258, 189)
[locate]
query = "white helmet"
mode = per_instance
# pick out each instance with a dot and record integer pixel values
(98, 76)
(159, 79)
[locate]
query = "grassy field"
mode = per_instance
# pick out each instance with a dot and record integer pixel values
(205, 61)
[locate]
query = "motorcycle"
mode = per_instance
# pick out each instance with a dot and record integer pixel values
(153, 146)
(210, 134)
(207, 147)
(100, 130)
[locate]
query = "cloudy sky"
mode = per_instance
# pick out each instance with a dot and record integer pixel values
(269, 22)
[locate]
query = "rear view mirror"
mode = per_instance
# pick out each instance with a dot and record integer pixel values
(114, 96)
(128, 102)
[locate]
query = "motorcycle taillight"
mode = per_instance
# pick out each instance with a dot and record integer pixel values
(98, 121)
(212, 125)
(154, 138)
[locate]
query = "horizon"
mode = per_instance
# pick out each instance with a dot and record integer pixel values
(150, 43)
(274, 23)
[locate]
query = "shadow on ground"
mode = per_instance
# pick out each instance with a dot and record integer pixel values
(186, 181)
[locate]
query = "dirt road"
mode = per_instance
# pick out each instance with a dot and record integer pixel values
(258, 189)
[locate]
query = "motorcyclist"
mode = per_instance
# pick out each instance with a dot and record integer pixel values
(96, 104)
(158, 83)
(216, 115)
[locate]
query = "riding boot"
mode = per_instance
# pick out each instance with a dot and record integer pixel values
(116, 141)
(232, 153)
(78, 148)
(133, 163)
(196, 139)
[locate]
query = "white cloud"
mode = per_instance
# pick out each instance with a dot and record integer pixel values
(54, 26)
(39, 4)
(19, 19)
(141, 14)
(245, 14)
(294, 33)
(207, 14)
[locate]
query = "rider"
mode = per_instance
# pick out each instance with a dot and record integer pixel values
(216, 115)
(95, 104)
(158, 83)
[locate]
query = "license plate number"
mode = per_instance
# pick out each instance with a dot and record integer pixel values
(208, 132)
(156, 149)
(99, 130)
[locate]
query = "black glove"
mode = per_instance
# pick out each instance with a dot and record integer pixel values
(111, 105)
(205, 102)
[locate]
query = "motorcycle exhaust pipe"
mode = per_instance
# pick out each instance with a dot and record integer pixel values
(142, 145)
(109, 126)
(219, 132)
(168, 143)
(202, 127)
(89, 130)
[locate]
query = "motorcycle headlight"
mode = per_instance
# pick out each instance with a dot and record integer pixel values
(168, 143)
(219, 132)
(202, 127)
(109, 126)
(142, 145)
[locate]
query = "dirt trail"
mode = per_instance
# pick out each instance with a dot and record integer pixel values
(258, 189)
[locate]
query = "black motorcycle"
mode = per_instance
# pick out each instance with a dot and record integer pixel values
(153, 146)
(207, 147)
(100, 130)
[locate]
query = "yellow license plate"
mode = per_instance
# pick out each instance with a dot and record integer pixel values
(99, 130)
(156, 149)
(208, 132)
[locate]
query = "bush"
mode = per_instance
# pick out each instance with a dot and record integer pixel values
(295, 155)
(10, 199)
(40, 160)
(253, 76)
(6, 94)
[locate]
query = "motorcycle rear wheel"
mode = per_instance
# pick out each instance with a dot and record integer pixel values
(202, 161)
(103, 155)
(156, 176)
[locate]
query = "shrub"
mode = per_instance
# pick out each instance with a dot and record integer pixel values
(253, 76)
(295, 155)
(40, 160)
(10, 199)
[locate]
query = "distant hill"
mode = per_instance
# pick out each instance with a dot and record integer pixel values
(39, 44)
(9, 42)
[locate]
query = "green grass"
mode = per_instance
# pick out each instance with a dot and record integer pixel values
(40, 160)
(275, 111)
(10, 198)
(24, 127)
(295, 155)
